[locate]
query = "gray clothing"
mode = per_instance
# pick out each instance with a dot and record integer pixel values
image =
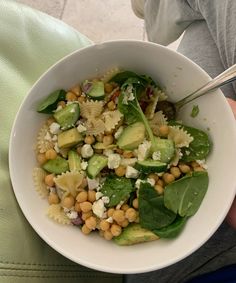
(210, 41)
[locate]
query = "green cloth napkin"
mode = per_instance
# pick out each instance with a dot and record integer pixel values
(30, 42)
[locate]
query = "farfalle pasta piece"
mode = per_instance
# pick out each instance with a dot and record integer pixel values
(110, 74)
(159, 119)
(91, 109)
(44, 141)
(69, 182)
(38, 179)
(95, 127)
(111, 119)
(180, 137)
(56, 212)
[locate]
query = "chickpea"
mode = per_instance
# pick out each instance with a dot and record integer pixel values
(110, 212)
(62, 104)
(108, 87)
(163, 130)
(124, 223)
(131, 214)
(76, 90)
(85, 229)
(135, 203)
(68, 201)
(50, 120)
(41, 158)
(91, 222)
(104, 225)
(91, 196)
(84, 183)
(194, 164)
(159, 189)
(108, 235)
(99, 137)
(153, 176)
(86, 206)
(184, 168)
(77, 207)
(53, 198)
(111, 105)
(128, 154)
(107, 140)
(86, 215)
(125, 207)
(89, 139)
(120, 171)
(82, 196)
(160, 182)
(70, 96)
(49, 180)
(81, 99)
(168, 178)
(50, 154)
(175, 171)
(116, 230)
(118, 215)
(198, 169)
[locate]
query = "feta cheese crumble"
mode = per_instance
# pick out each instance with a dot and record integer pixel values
(54, 128)
(86, 151)
(84, 165)
(156, 155)
(129, 95)
(98, 208)
(107, 152)
(131, 172)
(98, 195)
(151, 181)
(113, 160)
(93, 183)
(143, 150)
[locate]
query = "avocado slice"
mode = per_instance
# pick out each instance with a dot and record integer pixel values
(134, 234)
(68, 116)
(166, 148)
(132, 136)
(69, 138)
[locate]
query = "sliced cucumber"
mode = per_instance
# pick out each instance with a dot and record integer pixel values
(95, 164)
(57, 165)
(150, 165)
(96, 90)
(68, 116)
(74, 161)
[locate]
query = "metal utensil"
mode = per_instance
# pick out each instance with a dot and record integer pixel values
(171, 109)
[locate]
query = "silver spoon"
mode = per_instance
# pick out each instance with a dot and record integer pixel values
(171, 109)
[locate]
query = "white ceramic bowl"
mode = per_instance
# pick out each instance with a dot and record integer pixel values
(179, 76)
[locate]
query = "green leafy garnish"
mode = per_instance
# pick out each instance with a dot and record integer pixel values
(152, 211)
(117, 189)
(172, 230)
(185, 195)
(49, 104)
(195, 111)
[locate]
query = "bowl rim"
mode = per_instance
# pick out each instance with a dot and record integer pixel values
(44, 235)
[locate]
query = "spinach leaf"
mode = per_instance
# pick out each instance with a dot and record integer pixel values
(172, 230)
(49, 104)
(129, 106)
(199, 148)
(185, 195)
(195, 111)
(152, 211)
(117, 189)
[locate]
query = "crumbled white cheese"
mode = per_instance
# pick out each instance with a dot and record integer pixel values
(202, 163)
(113, 160)
(156, 155)
(107, 152)
(54, 128)
(47, 137)
(84, 165)
(56, 147)
(81, 128)
(106, 200)
(54, 138)
(118, 132)
(86, 151)
(129, 95)
(131, 172)
(143, 150)
(151, 181)
(119, 204)
(72, 214)
(98, 195)
(59, 107)
(128, 161)
(98, 208)
(138, 183)
(109, 220)
(93, 183)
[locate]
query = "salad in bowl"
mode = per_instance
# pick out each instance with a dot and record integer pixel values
(109, 161)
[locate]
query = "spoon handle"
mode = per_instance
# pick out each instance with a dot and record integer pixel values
(226, 77)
